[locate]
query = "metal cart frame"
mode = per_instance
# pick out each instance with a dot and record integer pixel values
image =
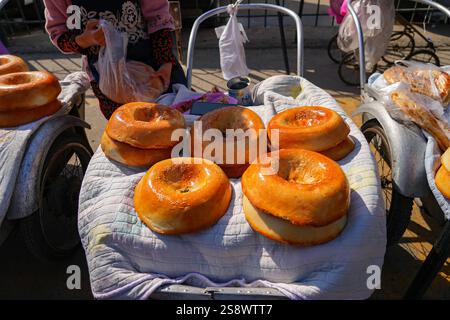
(408, 172)
(255, 6)
(179, 292)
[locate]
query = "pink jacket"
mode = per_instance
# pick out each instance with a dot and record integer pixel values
(155, 12)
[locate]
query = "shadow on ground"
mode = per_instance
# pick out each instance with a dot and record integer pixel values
(25, 277)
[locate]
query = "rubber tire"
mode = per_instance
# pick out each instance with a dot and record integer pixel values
(400, 209)
(345, 60)
(30, 227)
(332, 44)
(394, 37)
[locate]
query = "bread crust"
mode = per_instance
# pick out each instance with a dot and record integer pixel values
(145, 125)
(182, 195)
(12, 64)
(309, 189)
(10, 119)
(342, 150)
(312, 128)
(285, 232)
(432, 83)
(422, 117)
(132, 156)
(442, 180)
(27, 90)
(231, 118)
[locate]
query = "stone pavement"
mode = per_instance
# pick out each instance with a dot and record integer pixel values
(401, 263)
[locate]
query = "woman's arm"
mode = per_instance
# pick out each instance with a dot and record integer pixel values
(162, 45)
(66, 40)
(160, 24)
(55, 24)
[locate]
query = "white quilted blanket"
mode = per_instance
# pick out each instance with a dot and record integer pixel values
(13, 141)
(128, 261)
(432, 164)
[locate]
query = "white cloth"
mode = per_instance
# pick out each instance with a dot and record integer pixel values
(13, 141)
(180, 94)
(128, 261)
(432, 164)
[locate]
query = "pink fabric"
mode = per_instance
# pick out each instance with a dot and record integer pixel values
(55, 18)
(338, 9)
(156, 13)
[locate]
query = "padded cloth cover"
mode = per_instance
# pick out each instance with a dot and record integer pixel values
(128, 261)
(432, 164)
(13, 141)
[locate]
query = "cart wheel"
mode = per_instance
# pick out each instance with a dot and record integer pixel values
(52, 232)
(398, 207)
(401, 46)
(334, 52)
(425, 56)
(349, 70)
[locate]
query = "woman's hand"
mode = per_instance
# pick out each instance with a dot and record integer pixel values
(92, 36)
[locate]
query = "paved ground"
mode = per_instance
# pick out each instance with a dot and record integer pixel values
(25, 277)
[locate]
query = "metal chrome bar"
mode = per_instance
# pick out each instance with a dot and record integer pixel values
(259, 6)
(435, 5)
(283, 40)
(362, 58)
(177, 292)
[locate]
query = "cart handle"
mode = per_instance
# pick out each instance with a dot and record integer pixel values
(362, 58)
(263, 6)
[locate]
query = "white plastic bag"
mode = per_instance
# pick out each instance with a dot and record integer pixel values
(423, 78)
(231, 46)
(407, 106)
(377, 19)
(126, 81)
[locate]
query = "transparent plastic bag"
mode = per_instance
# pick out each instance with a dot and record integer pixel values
(231, 46)
(126, 81)
(423, 78)
(377, 19)
(425, 112)
(408, 107)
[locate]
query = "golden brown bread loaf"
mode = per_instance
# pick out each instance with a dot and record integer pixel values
(307, 199)
(145, 125)
(312, 128)
(432, 83)
(182, 195)
(16, 118)
(132, 156)
(442, 180)
(12, 64)
(442, 177)
(27, 90)
(341, 150)
(423, 117)
(223, 119)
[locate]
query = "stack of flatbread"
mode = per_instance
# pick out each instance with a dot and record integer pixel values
(433, 83)
(423, 81)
